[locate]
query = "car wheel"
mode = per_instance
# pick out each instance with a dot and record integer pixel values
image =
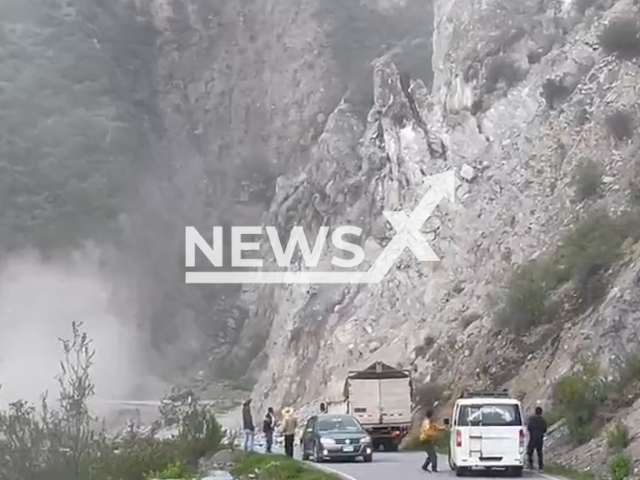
(461, 471)
(317, 458)
(368, 458)
(516, 471)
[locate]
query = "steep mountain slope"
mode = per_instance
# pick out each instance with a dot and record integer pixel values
(524, 102)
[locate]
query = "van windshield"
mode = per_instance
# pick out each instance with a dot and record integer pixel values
(488, 415)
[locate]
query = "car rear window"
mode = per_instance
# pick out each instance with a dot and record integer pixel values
(341, 424)
(490, 415)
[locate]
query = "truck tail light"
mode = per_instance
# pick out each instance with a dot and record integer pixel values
(396, 433)
(521, 439)
(458, 438)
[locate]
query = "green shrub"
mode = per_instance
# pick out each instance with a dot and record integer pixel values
(173, 471)
(501, 69)
(620, 124)
(578, 397)
(622, 37)
(428, 394)
(630, 372)
(554, 92)
(588, 179)
(64, 441)
(620, 467)
(586, 251)
(618, 438)
(526, 300)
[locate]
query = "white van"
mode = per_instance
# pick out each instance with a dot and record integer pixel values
(487, 432)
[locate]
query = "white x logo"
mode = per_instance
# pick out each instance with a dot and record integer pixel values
(408, 227)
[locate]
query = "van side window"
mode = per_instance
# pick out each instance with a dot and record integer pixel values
(489, 415)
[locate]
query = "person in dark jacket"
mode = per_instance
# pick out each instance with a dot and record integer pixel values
(268, 426)
(537, 427)
(247, 425)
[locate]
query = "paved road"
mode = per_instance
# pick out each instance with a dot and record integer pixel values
(406, 466)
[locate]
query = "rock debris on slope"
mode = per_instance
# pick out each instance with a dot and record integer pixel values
(514, 159)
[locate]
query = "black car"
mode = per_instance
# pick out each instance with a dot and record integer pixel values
(334, 437)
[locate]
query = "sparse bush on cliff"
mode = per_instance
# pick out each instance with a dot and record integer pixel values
(622, 37)
(620, 124)
(500, 69)
(618, 438)
(588, 250)
(428, 394)
(588, 179)
(578, 397)
(620, 467)
(554, 92)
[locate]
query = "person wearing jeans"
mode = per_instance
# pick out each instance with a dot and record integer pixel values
(429, 433)
(248, 426)
(268, 427)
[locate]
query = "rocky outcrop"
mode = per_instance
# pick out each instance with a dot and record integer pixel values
(490, 117)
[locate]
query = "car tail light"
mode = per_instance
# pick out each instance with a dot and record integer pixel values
(458, 438)
(521, 439)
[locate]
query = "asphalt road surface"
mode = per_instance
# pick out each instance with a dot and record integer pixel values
(406, 466)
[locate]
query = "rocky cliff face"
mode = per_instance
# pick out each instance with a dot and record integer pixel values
(328, 113)
(522, 94)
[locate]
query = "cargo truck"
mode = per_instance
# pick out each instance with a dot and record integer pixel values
(380, 398)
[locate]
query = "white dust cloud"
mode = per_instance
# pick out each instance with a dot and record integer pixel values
(39, 300)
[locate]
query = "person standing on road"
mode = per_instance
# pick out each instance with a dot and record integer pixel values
(247, 425)
(429, 432)
(268, 426)
(289, 426)
(537, 427)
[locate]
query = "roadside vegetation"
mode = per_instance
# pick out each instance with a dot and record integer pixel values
(586, 400)
(566, 472)
(63, 440)
(571, 278)
(276, 467)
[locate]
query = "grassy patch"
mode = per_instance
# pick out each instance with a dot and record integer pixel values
(566, 472)
(276, 467)
(581, 259)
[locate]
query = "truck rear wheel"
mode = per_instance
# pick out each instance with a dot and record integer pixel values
(461, 471)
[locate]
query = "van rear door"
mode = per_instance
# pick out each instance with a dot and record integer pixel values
(495, 431)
